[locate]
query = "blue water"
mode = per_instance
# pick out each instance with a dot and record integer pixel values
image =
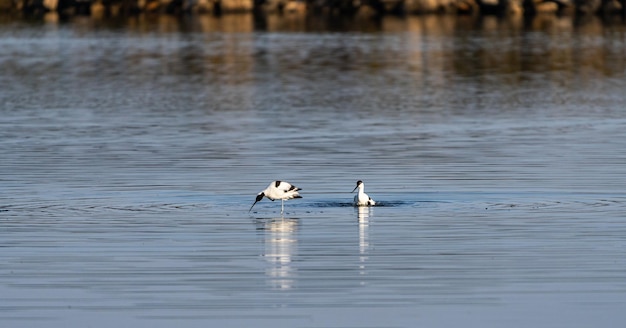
(131, 153)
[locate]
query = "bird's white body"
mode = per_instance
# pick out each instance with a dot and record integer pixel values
(281, 190)
(278, 190)
(362, 199)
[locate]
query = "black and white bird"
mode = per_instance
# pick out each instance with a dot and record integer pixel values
(278, 190)
(362, 199)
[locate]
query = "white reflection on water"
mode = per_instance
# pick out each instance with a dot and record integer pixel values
(280, 248)
(364, 213)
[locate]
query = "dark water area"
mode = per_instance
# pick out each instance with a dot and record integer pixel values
(133, 149)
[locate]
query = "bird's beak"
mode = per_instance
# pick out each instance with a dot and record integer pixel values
(355, 188)
(251, 207)
(258, 198)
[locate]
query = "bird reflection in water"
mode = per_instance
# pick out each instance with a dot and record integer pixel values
(280, 246)
(364, 213)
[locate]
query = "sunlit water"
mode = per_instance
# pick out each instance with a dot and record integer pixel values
(131, 153)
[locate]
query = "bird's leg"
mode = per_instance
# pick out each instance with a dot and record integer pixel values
(282, 206)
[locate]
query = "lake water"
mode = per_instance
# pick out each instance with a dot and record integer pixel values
(131, 151)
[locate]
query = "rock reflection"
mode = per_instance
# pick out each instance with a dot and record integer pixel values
(364, 213)
(280, 247)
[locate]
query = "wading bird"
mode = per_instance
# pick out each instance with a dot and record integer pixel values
(278, 190)
(362, 199)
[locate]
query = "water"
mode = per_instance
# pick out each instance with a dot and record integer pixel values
(132, 151)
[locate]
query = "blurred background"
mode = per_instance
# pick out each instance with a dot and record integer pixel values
(134, 136)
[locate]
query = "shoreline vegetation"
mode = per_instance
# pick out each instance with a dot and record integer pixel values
(360, 8)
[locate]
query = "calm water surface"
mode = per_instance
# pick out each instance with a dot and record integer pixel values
(132, 151)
